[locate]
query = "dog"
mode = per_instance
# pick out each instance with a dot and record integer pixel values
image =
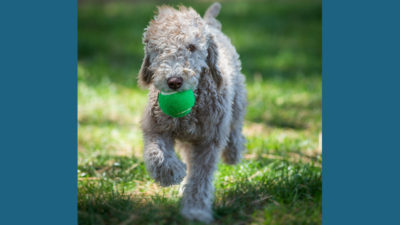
(186, 51)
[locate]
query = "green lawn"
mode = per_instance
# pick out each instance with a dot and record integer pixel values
(279, 180)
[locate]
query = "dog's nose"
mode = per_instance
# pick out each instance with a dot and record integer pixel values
(174, 82)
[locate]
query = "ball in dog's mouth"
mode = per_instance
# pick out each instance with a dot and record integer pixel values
(176, 104)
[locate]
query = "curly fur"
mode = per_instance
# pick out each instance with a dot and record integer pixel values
(214, 127)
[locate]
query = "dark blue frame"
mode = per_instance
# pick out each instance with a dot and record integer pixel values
(361, 110)
(38, 116)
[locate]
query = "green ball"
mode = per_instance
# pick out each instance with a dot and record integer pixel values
(176, 104)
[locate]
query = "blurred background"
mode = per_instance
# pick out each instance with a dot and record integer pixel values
(279, 179)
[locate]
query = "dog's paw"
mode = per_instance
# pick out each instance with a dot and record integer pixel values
(170, 172)
(201, 215)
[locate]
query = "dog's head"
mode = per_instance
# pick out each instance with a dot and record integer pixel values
(178, 49)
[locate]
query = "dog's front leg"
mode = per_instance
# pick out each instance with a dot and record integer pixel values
(198, 191)
(161, 161)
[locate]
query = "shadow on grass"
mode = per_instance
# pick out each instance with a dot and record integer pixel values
(118, 169)
(281, 189)
(284, 186)
(297, 116)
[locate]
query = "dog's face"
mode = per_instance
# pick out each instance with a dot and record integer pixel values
(178, 49)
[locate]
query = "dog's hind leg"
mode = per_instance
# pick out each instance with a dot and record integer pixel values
(235, 147)
(236, 143)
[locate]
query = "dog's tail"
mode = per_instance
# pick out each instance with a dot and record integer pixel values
(211, 13)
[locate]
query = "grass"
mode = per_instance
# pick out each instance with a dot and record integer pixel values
(279, 179)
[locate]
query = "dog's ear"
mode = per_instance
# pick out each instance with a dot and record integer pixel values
(212, 60)
(145, 74)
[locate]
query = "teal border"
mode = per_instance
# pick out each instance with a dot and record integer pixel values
(361, 111)
(38, 116)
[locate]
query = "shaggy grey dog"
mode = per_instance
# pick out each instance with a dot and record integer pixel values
(185, 51)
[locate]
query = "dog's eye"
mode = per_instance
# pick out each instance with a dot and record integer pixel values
(191, 48)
